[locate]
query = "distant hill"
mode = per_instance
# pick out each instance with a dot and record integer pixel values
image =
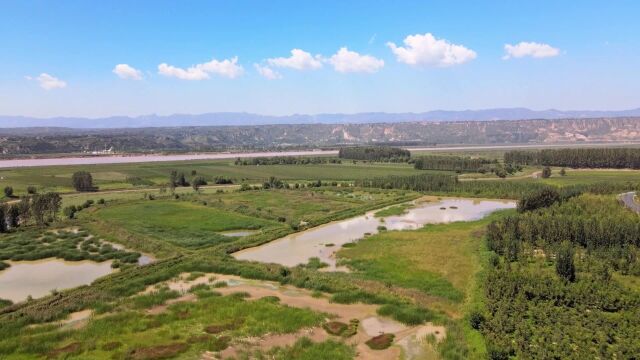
(16, 141)
(238, 119)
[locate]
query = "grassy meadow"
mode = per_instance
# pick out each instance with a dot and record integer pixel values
(435, 274)
(181, 223)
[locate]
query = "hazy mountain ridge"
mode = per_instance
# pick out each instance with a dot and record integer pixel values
(240, 118)
(219, 138)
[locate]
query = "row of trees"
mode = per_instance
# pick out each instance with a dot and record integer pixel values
(375, 153)
(444, 183)
(287, 160)
(453, 163)
(178, 179)
(41, 208)
(578, 158)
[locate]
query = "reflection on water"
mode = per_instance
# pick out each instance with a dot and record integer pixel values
(38, 278)
(298, 248)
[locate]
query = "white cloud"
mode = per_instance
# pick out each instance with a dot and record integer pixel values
(533, 49)
(49, 82)
(227, 68)
(267, 72)
(125, 71)
(299, 60)
(427, 50)
(345, 61)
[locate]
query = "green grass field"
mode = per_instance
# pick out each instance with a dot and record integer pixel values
(431, 274)
(181, 223)
(441, 260)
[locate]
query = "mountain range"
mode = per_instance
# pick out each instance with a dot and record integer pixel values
(241, 118)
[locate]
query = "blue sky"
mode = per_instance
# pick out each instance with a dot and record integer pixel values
(58, 58)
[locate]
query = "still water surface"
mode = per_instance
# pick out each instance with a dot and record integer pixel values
(298, 248)
(38, 278)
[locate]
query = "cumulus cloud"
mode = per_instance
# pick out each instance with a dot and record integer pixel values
(426, 50)
(299, 60)
(48, 82)
(532, 49)
(226, 68)
(345, 61)
(267, 72)
(127, 72)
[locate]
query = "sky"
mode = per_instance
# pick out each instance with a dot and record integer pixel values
(104, 58)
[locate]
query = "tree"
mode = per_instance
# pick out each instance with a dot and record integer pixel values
(546, 172)
(538, 199)
(563, 172)
(83, 181)
(197, 182)
(13, 215)
(8, 191)
(32, 190)
(3, 223)
(45, 206)
(565, 267)
(70, 211)
(24, 210)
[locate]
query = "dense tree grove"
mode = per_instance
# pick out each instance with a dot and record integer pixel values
(288, 160)
(618, 158)
(83, 181)
(454, 163)
(546, 197)
(449, 184)
(589, 221)
(422, 182)
(375, 153)
(577, 311)
(534, 315)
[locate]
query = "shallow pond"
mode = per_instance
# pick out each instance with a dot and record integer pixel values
(38, 278)
(323, 241)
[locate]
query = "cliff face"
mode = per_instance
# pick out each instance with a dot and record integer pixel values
(30, 141)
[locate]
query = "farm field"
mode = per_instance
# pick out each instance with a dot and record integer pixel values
(114, 176)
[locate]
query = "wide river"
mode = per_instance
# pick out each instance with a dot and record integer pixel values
(123, 159)
(298, 248)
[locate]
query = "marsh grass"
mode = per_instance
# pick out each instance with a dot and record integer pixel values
(305, 349)
(154, 298)
(35, 244)
(134, 330)
(393, 211)
(181, 223)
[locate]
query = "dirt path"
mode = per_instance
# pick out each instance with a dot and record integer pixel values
(628, 199)
(534, 175)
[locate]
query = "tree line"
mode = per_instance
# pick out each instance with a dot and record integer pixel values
(39, 208)
(618, 158)
(375, 153)
(449, 184)
(287, 160)
(453, 163)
